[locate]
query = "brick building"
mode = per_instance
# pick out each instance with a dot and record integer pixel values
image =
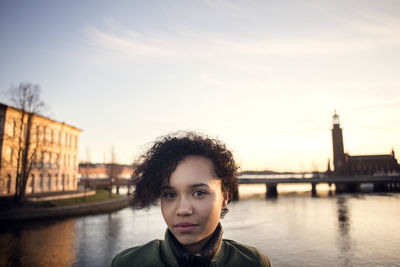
(344, 164)
(53, 151)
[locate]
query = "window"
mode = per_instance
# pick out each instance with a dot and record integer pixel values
(49, 182)
(8, 184)
(41, 182)
(45, 183)
(38, 133)
(57, 184)
(14, 127)
(63, 182)
(11, 157)
(32, 183)
(44, 135)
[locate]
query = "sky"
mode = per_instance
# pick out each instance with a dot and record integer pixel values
(265, 77)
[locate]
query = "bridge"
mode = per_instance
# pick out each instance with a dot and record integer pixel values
(342, 183)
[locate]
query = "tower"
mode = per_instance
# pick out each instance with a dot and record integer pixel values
(328, 170)
(339, 162)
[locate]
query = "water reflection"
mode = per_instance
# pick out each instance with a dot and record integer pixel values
(38, 244)
(293, 230)
(344, 242)
(113, 230)
(97, 233)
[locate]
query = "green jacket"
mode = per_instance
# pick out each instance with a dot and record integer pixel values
(158, 253)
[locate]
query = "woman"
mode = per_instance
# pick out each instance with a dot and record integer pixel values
(195, 177)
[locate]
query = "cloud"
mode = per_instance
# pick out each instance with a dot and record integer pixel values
(362, 32)
(138, 45)
(375, 27)
(222, 5)
(131, 44)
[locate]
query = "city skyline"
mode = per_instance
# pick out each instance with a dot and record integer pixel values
(265, 78)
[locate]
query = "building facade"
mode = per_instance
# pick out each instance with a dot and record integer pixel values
(344, 164)
(52, 152)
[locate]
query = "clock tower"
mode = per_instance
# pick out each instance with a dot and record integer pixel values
(339, 159)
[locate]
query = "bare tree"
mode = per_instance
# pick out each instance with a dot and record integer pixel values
(26, 97)
(113, 171)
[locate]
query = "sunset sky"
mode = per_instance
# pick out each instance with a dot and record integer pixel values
(263, 76)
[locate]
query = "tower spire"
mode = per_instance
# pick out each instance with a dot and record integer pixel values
(339, 162)
(329, 171)
(335, 119)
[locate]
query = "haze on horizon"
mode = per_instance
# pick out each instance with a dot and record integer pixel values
(264, 77)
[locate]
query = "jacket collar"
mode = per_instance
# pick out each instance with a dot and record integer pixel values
(171, 247)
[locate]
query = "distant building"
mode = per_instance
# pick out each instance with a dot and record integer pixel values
(344, 164)
(55, 161)
(99, 171)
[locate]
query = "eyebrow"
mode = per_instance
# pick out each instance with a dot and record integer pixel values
(199, 185)
(167, 187)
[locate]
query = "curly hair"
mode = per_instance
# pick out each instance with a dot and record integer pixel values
(155, 166)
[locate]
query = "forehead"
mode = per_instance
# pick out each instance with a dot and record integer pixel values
(193, 169)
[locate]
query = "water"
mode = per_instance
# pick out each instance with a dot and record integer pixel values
(293, 230)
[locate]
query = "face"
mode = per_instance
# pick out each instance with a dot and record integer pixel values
(192, 201)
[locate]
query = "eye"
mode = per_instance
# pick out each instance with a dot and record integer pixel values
(168, 195)
(199, 193)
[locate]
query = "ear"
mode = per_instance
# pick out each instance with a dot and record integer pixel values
(225, 198)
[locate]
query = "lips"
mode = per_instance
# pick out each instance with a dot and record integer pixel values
(185, 227)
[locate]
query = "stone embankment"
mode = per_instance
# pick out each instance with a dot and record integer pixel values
(31, 212)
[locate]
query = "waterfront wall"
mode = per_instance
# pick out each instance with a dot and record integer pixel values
(62, 196)
(28, 213)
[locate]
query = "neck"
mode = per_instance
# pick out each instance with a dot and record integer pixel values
(196, 247)
(204, 249)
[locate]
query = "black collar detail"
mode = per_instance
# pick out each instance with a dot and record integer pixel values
(201, 258)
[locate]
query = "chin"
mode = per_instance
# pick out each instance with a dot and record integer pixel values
(187, 240)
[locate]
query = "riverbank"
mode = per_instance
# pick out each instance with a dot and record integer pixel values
(98, 203)
(292, 230)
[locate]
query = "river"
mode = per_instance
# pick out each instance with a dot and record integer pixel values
(294, 229)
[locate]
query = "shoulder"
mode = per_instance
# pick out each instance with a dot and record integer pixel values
(144, 255)
(243, 255)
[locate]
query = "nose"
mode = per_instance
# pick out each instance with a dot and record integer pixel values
(184, 207)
